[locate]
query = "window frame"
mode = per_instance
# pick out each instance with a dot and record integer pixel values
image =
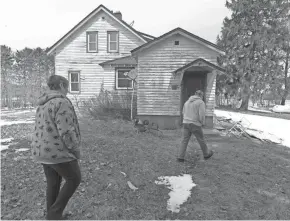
(117, 78)
(70, 82)
(88, 42)
(108, 42)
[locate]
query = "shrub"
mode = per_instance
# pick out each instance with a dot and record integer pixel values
(110, 104)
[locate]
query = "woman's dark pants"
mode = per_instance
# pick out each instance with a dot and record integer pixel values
(57, 199)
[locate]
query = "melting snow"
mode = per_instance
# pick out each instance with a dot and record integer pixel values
(180, 187)
(6, 113)
(4, 123)
(4, 147)
(259, 110)
(274, 129)
(22, 149)
(5, 140)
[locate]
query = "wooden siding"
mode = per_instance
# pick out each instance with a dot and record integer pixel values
(210, 93)
(155, 68)
(72, 55)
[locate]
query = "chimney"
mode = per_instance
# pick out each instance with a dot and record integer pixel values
(118, 14)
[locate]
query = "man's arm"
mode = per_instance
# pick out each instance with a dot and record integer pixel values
(201, 113)
(183, 110)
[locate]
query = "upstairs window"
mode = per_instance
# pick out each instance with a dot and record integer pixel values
(113, 41)
(92, 41)
(122, 81)
(74, 81)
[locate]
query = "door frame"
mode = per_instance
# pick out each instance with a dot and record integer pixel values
(182, 96)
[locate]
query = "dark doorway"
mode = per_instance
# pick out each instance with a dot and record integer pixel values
(192, 81)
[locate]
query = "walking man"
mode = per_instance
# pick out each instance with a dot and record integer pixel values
(193, 120)
(56, 145)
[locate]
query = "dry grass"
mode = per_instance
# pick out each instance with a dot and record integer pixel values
(243, 180)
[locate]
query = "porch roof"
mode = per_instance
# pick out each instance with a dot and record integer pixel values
(200, 62)
(124, 61)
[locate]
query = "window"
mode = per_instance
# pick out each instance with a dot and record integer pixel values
(122, 81)
(113, 41)
(92, 41)
(176, 42)
(74, 81)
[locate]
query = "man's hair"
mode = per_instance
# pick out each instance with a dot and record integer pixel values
(54, 82)
(199, 93)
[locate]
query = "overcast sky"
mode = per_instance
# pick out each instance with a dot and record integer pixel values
(40, 23)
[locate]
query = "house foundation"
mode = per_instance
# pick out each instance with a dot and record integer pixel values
(171, 122)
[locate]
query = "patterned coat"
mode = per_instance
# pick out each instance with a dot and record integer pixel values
(56, 138)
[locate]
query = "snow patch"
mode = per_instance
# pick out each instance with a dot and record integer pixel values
(259, 110)
(269, 128)
(21, 150)
(5, 140)
(4, 147)
(264, 136)
(9, 113)
(5, 123)
(281, 108)
(180, 187)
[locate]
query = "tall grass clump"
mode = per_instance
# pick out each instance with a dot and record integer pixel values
(111, 104)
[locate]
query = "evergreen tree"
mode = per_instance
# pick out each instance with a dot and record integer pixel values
(6, 73)
(285, 57)
(251, 39)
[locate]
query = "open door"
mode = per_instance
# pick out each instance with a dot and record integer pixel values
(192, 81)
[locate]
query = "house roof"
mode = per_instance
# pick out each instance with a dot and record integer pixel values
(146, 36)
(128, 60)
(142, 36)
(182, 32)
(201, 62)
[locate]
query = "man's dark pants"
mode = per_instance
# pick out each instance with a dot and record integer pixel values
(189, 129)
(57, 199)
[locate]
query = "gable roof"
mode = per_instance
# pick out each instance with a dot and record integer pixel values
(184, 33)
(140, 35)
(200, 62)
(146, 36)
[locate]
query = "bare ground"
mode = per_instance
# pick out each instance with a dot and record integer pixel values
(243, 180)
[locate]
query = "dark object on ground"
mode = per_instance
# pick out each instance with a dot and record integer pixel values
(143, 126)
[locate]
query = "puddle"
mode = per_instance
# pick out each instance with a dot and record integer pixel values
(180, 187)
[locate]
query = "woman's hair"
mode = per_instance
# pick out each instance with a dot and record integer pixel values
(54, 82)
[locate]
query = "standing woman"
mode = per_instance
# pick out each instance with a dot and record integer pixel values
(56, 145)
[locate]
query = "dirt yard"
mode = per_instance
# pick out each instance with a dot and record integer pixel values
(243, 180)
